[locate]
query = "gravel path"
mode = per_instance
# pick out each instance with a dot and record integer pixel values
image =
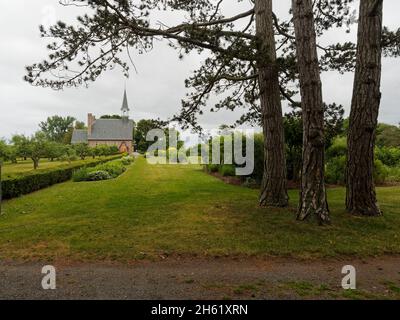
(201, 278)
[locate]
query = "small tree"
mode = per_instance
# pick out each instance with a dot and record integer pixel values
(82, 150)
(38, 145)
(3, 150)
(69, 154)
(21, 144)
(7, 152)
(92, 152)
(98, 151)
(54, 150)
(103, 150)
(113, 150)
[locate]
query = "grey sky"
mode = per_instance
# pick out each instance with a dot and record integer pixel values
(156, 90)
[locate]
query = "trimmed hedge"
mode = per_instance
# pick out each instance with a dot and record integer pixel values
(26, 183)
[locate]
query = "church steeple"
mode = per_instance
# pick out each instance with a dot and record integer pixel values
(125, 108)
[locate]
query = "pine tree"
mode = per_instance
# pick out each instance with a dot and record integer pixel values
(313, 201)
(361, 196)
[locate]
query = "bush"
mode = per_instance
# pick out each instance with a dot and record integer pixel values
(258, 157)
(67, 158)
(337, 149)
(80, 175)
(381, 172)
(127, 160)
(227, 170)
(213, 168)
(114, 168)
(24, 183)
(98, 175)
(105, 150)
(250, 183)
(393, 174)
(389, 156)
(334, 171)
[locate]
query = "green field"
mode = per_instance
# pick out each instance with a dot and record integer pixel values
(177, 209)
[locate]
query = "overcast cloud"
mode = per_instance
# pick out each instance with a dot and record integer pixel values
(155, 91)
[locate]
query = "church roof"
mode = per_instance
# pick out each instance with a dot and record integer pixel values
(79, 136)
(105, 129)
(112, 129)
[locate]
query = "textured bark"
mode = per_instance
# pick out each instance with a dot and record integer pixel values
(313, 200)
(274, 184)
(360, 195)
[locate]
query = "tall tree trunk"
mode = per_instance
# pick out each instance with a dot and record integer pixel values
(360, 195)
(313, 200)
(274, 184)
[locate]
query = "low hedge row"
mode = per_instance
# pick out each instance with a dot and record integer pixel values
(23, 184)
(104, 171)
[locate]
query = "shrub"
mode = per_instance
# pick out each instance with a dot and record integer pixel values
(114, 168)
(127, 160)
(114, 150)
(393, 174)
(337, 149)
(80, 175)
(258, 157)
(105, 150)
(381, 172)
(68, 158)
(389, 156)
(334, 172)
(227, 170)
(250, 183)
(82, 150)
(98, 175)
(213, 167)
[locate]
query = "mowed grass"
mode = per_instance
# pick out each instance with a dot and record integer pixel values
(154, 210)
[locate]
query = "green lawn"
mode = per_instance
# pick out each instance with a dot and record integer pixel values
(152, 210)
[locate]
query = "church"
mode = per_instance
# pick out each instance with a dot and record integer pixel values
(112, 132)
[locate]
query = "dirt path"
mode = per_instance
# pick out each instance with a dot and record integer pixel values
(200, 278)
